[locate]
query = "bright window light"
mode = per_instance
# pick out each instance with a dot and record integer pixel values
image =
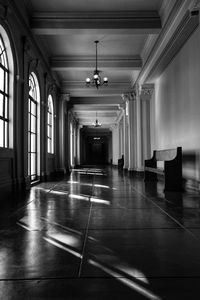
(33, 127)
(50, 125)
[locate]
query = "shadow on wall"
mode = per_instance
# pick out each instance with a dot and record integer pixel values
(191, 163)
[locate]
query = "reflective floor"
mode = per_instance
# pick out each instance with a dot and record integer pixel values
(100, 234)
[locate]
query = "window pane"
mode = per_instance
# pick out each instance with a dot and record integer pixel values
(48, 131)
(29, 164)
(6, 82)
(29, 145)
(29, 122)
(33, 142)
(33, 124)
(29, 105)
(33, 108)
(1, 79)
(50, 118)
(1, 133)
(5, 60)
(6, 134)
(6, 107)
(33, 163)
(1, 105)
(49, 146)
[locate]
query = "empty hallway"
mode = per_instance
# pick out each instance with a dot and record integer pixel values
(100, 234)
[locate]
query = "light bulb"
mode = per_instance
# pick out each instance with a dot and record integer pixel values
(87, 80)
(96, 76)
(105, 79)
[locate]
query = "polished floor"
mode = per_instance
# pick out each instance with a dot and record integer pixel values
(100, 234)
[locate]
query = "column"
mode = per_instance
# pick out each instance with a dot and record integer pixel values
(62, 134)
(125, 134)
(78, 147)
(134, 130)
(139, 162)
(146, 93)
(130, 99)
(115, 144)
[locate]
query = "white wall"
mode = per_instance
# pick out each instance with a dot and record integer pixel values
(177, 105)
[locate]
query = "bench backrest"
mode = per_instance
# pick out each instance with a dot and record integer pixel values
(167, 155)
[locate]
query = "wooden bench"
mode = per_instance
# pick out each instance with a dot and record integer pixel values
(121, 162)
(172, 171)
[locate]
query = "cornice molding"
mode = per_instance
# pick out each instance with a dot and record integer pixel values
(150, 41)
(178, 12)
(165, 10)
(13, 9)
(178, 39)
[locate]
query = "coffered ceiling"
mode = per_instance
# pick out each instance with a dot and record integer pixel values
(67, 29)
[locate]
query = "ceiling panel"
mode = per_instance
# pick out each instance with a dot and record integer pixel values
(80, 75)
(69, 45)
(80, 45)
(91, 5)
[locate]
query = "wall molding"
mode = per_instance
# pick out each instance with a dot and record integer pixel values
(180, 8)
(185, 29)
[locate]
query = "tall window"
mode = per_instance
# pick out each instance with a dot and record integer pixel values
(50, 126)
(33, 124)
(4, 94)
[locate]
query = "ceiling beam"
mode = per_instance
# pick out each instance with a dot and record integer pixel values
(134, 22)
(109, 100)
(104, 116)
(87, 63)
(77, 89)
(84, 109)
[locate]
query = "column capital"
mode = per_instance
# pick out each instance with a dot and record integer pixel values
(122, 106)
(146, 91)
(65, 97)
(129, 96)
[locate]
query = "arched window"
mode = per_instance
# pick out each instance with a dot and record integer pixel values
(6, 90)
(50, 126)
(33, 127)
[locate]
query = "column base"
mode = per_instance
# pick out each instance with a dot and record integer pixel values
(136, 172)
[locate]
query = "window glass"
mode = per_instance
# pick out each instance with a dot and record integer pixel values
(50, 126)
(4, 73)
(32, 126)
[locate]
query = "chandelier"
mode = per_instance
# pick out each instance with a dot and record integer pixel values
(97, 124)
(96, 79)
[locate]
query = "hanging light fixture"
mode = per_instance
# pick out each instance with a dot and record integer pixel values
(96, 79)
(97, 124)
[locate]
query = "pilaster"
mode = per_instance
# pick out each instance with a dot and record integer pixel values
(125, 134)
(146, 96)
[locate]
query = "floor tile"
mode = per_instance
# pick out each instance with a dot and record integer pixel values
(129, 219)
(33, 254)
(141, 253)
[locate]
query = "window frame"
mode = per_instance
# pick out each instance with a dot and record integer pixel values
(33, 132)
(4, 93)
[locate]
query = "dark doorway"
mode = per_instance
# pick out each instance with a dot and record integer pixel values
(97, 150)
